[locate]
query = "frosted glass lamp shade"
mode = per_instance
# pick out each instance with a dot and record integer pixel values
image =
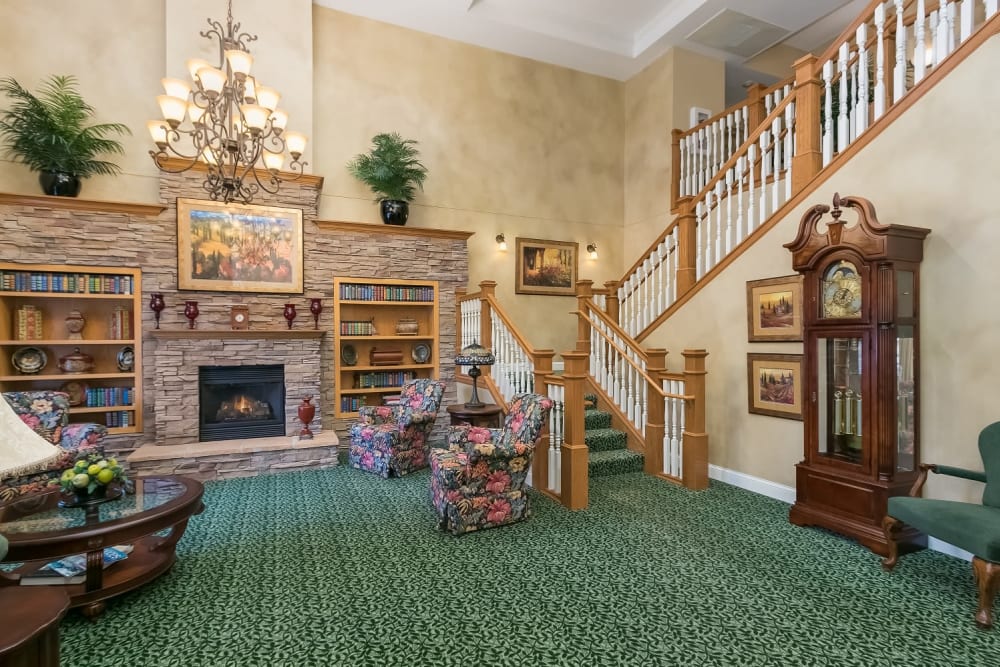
(173, 109)
(158, 131)
(194, 65)
(240, 62)
(212, 81)
(279, 119)
(195, 113)
(255, 116)
(296, 143)
(267, 97)
(273, 161)
(176, 88)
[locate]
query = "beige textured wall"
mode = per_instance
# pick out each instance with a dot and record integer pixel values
(511, 145)
(947, 138)
(115, 49)
(657, 100)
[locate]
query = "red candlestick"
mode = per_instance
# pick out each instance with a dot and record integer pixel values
(191, 312)
(315, 307)
(289, 313)
(156, 304)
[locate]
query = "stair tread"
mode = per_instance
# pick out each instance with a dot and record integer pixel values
(605, 439)
(614, 462)
(614, 454)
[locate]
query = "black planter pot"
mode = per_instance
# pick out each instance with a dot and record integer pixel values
(59, 183)
(394, 211)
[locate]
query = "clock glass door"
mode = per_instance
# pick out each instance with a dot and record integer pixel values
(839, 397)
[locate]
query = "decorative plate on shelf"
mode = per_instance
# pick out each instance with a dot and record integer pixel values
(77, 392)
(421, 353)
(29, 360)
(349, 355)
(126, 359)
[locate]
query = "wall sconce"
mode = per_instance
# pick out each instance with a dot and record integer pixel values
(501, 242)
(592, 249)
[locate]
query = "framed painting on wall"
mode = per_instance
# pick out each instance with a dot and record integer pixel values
(546, 267)
(774, 385)
(774, 309)
(238, 247)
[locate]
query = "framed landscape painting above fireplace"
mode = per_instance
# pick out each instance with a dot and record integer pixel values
(238, 248)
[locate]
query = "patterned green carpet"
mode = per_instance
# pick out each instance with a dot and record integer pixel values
(340, 567)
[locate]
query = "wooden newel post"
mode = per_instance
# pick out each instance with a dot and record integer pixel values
(695, 459)
(808, 158)
(687, 249)
(542, 361)
(612, 304)
(575, 478)
(487, 288)
(656, 363)
(584, 295)
(756, 111)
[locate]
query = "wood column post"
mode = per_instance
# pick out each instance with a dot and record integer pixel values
(487, 288)
(687, 249)
(675, 168)
(808, 158)
(695, 460)
(613, 305)
(575, 472)
(756, 111)
(584, 295)
(656, 363)
(542, 361)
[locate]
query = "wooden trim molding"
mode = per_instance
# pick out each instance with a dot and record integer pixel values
(373, 228)
(78, 204)
(246, 334)
(174, 164)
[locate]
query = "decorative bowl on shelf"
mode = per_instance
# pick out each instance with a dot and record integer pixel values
(349, 355)
(421, 353)
(29, 360)
(126, 359)
(76, 362)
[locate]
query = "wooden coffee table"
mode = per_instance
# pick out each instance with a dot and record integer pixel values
(39, 531)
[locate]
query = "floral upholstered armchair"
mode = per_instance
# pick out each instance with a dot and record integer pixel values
(47, 413)
(392, 439)
(478, 482)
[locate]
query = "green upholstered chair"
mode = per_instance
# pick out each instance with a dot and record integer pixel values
(974, 528)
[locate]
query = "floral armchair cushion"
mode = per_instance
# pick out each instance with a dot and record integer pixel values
(478, 482)
(392, 439)
(47, 413)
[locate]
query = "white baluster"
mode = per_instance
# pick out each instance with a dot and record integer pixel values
(991, 8)
(899, 69)
(919, 45)
(842, 120)
(789, 146)
(861, 35)
(699, 264)
(776, 153)
(827, 112)
(751, 161)
(740, 175)
(730, 234)
(710, 258)
(672, 271)
(934, 24)
(879, 62)
(852, 102)
(965, 20)
(765, 166)
(950, 33)
(661, 252)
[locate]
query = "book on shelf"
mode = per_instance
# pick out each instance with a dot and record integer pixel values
(121, 324)
(72, 569)
(29, 323)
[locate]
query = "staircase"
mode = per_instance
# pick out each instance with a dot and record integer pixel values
(607, 446)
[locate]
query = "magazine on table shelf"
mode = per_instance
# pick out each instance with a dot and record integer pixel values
(72, 569)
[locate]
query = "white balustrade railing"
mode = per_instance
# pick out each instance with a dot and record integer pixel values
(600, 300)
(619, 370)
(889, 53)
(557, 430)
(651, 288)
(673, 428)
(471, 311)
(514, 371)
(750, 189)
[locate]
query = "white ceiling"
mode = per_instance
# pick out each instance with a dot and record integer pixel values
(615, 38)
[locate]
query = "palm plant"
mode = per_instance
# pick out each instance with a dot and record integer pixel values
(391, 169)
(48, 132)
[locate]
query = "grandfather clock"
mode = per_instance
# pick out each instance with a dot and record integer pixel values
(861, 292)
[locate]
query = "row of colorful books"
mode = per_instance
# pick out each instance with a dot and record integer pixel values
(351, 403)
(357, 328)
(378, 379)
(79, 283)
(72, 569)
(117, 419)
(352, 292)
(100, 397)
(121, 324)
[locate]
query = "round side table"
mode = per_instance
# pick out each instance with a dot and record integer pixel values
(487, 416)
(30, 618)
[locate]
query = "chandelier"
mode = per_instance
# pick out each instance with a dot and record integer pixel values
(234, 125)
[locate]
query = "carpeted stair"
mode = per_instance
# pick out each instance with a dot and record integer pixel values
(609, 454)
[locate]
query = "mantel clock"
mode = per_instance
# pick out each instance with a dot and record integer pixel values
(860, 368)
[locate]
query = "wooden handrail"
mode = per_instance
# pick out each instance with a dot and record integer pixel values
(728, 110)
(847, 34)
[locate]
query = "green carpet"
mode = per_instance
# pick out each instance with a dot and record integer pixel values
(340, 567)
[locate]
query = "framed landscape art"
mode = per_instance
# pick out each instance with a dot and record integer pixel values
(238, 247)
(774, 309)
(774, 385)
(546, 267)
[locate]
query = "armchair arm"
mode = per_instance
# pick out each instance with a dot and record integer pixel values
(493, 450)
(76, 436)
(943, 470)
(423, 416)
(379, 414)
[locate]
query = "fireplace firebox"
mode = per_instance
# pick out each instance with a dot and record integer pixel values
(240, 402)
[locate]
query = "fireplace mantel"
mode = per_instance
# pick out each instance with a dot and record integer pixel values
(245, 334)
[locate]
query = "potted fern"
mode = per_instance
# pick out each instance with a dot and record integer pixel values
(393, 171)
(48, 132)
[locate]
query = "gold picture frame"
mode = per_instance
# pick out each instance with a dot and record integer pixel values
(774, 385)
(238, 247)
(546, 267)
(774, 309)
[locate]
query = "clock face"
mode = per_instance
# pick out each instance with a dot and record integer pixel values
(240, 317)
(841, 291)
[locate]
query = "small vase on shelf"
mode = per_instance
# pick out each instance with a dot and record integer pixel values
(74, 325)
(306, 413)
(191, 312)
(289, 313)
(157, 304)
